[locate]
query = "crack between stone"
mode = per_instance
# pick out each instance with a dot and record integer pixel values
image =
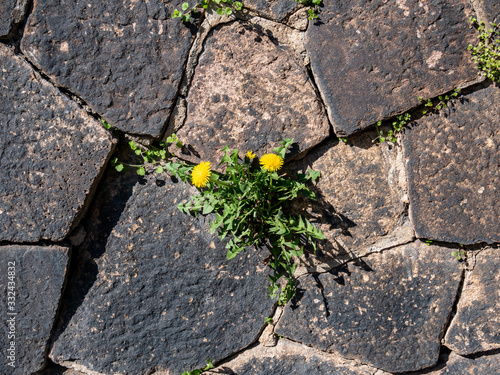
(187, 76)
(454, 308)
(485, 353)
(321, 288)
(251, 13)
(16, 34)
(48, 345)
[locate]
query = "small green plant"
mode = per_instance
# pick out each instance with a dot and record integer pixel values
(486, 53)
(428, 242)
(198, 371)
(222, 7)
(442, 102)
(225, 7)
(430, 106)
(251, 205)
(459, 254)
(313, 11)
(268, 320)
(397, 126)
(105, 124)
(153, 156)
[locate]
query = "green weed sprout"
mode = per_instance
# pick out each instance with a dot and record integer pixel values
(251, 205)
(486, 53)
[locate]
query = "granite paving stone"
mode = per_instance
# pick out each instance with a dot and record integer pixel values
(152, 289)
(476, 326)
(51, 155)
(249, 92)
(387, 310)
(288, 358)
(31, 286)
(372, 60)
(457, 365)
(124, 58)
(453, 161)
(357, 205)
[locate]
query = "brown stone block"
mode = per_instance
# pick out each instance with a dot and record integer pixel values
(250, 92)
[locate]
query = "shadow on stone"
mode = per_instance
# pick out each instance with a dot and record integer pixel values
(111, 198)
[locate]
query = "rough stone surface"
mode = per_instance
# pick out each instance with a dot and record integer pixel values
(476, 326)
(275, 9)
(288, 358)
(356, 205)
(453, 171)
(153, 289)
(387, 309)
(34, 285)
(124, 58)
(51, 154)
(488, 10)
(249, 92)
(457, 365)
(11, 13)
(373, 59)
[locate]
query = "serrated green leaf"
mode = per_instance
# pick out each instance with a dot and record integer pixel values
(141, 171)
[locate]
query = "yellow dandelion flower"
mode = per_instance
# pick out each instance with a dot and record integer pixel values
(271, 162)
(251, 155)
(201, 174)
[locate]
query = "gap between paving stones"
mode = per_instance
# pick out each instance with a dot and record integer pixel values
(17, 32)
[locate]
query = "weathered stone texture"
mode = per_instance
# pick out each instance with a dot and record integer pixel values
(11, 13)
(387, 310)
(453, 171)
(476, 326)
(153, 289)
(250, 93)
(488, 9)
(356, 205)
(124, 58)
(373, 59)
(274, 9)
(289, 358)
(51, 153)
(457, 365)
(34, 284)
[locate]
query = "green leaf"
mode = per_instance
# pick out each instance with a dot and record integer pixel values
(186, 18)
(159, 169)
(141, 171)
(228, 11)
(119, 167)
(207, 208)
(105, 124)
(185, 6)
(245, 187)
